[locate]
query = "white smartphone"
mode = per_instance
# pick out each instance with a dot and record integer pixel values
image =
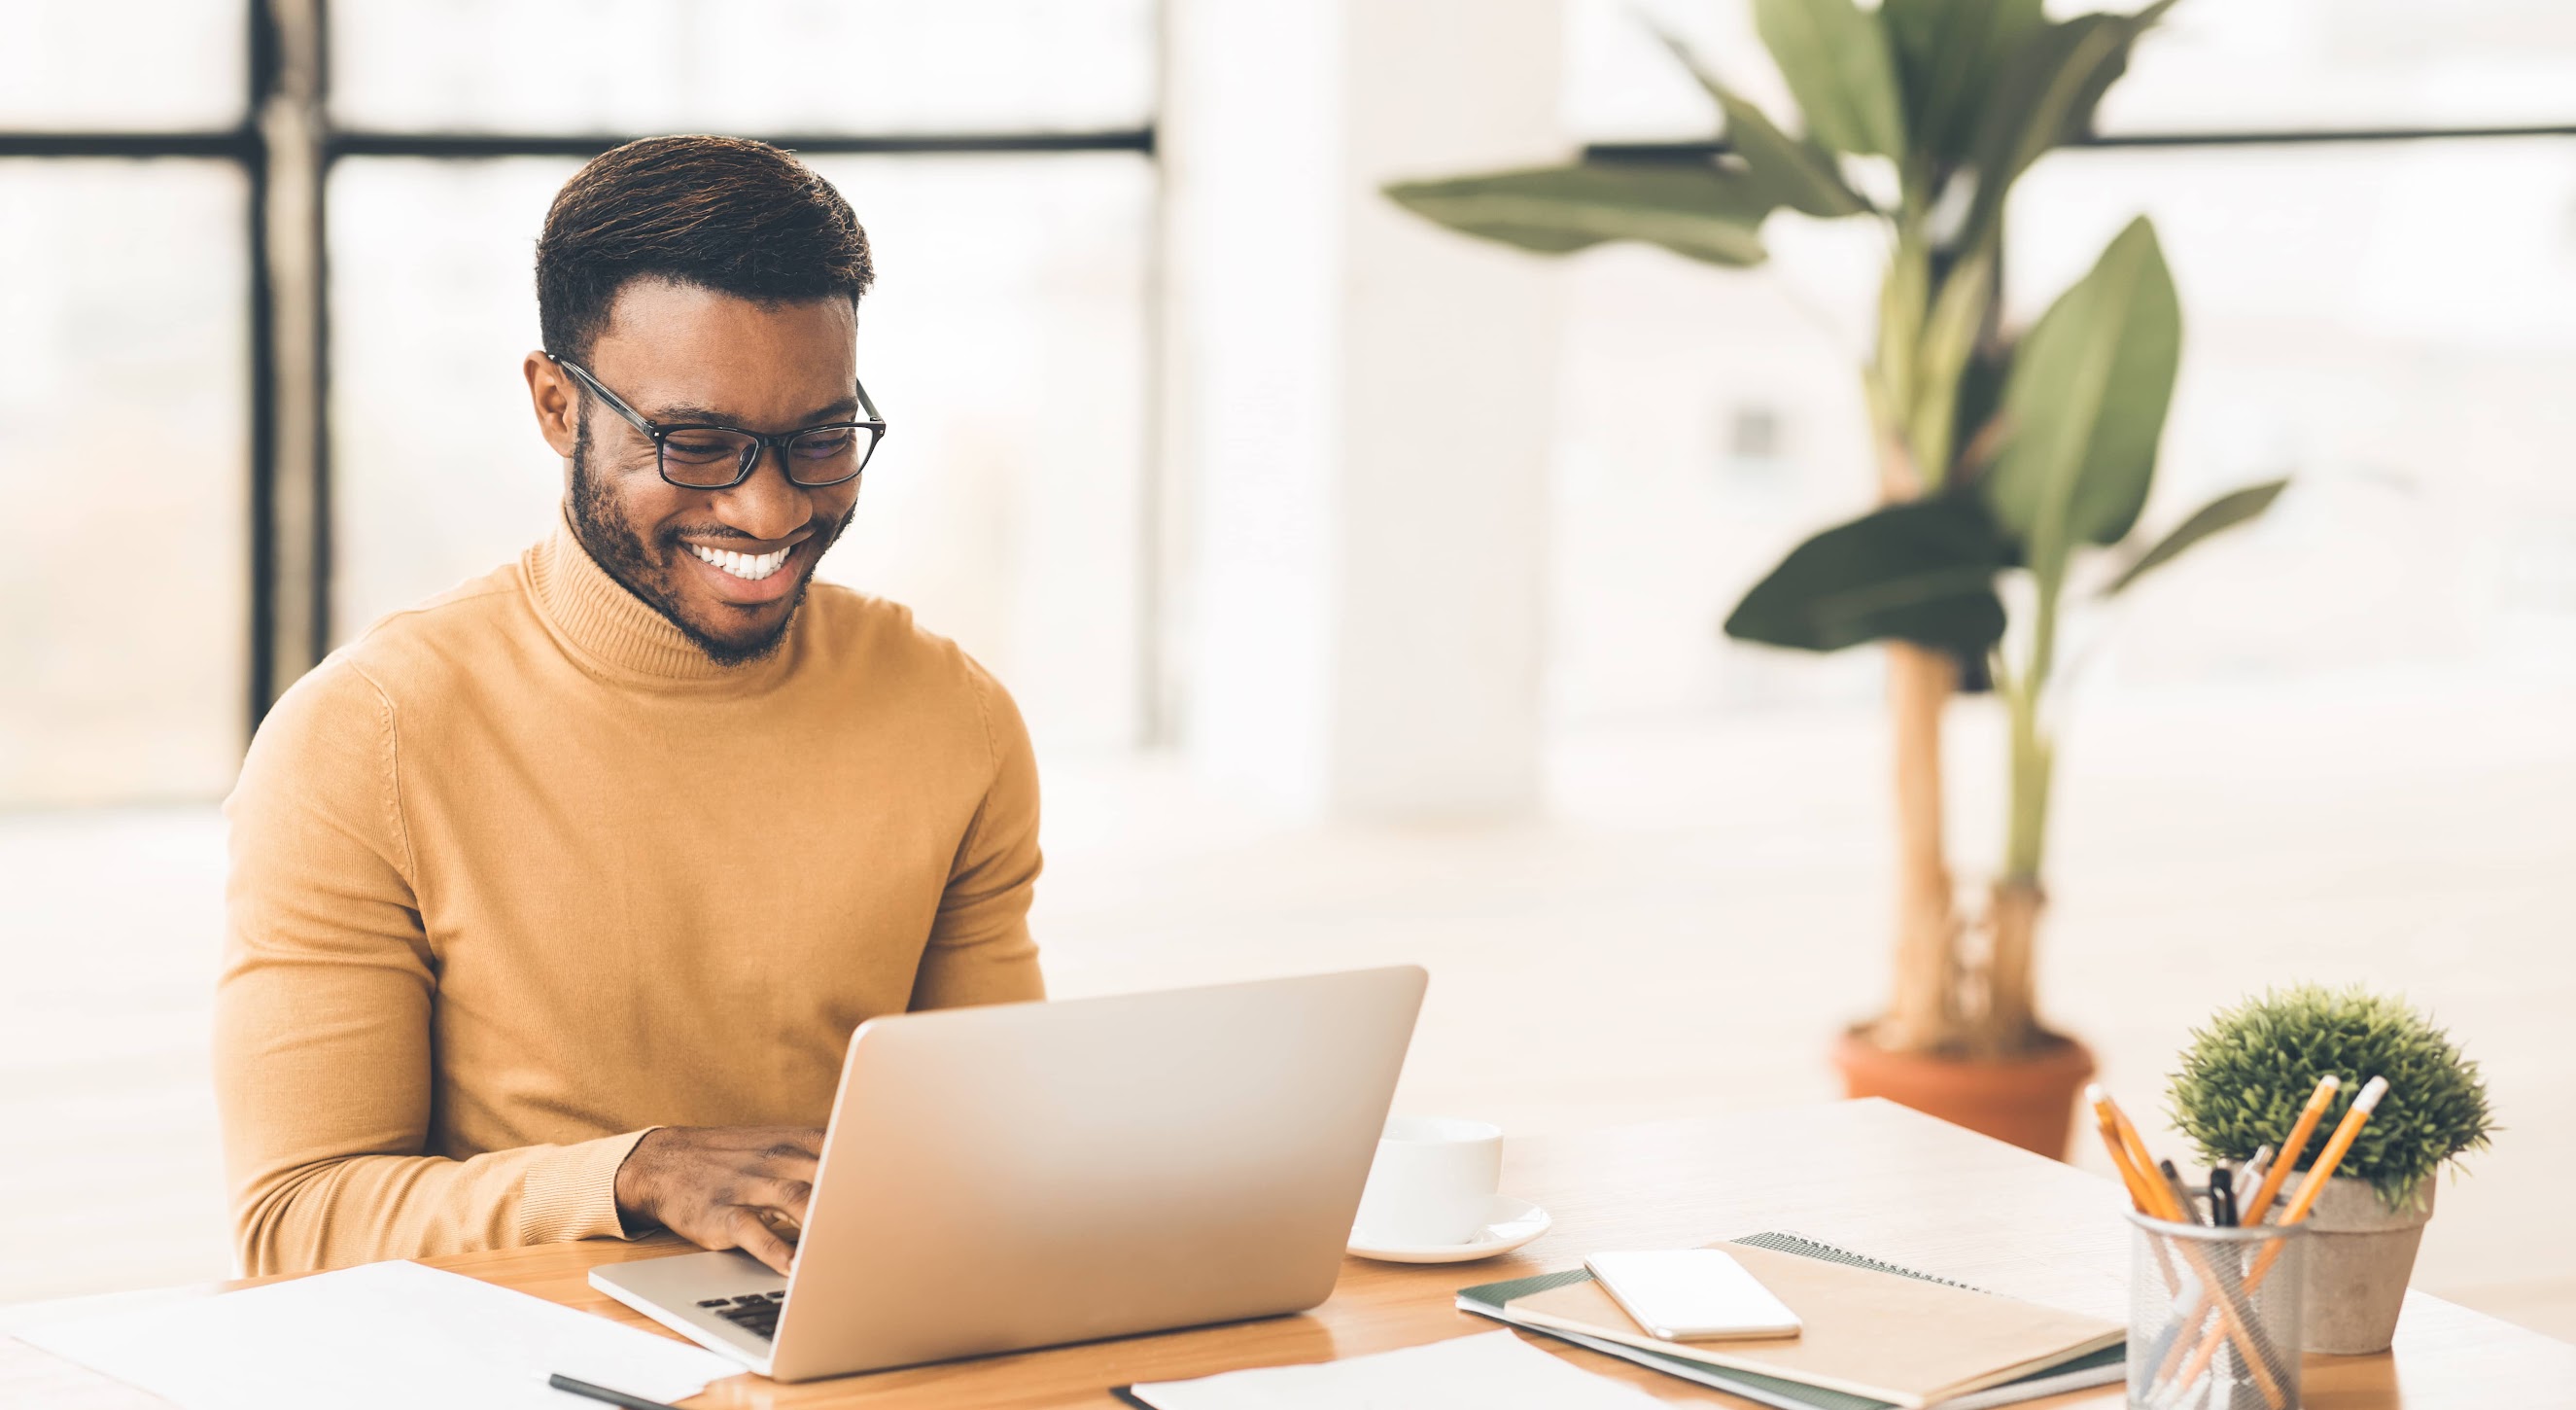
(1692, 1294)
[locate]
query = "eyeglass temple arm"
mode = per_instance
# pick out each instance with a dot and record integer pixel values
(616, 403)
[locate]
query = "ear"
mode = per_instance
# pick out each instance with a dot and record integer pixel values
(556, 400)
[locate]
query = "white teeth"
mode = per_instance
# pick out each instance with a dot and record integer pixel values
(750, 567)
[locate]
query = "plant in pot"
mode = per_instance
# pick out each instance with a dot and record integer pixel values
(1999, 456)
(2242, 1082)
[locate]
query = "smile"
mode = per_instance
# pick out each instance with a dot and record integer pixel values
(750, 567)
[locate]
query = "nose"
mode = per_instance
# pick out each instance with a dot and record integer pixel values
(768, 506)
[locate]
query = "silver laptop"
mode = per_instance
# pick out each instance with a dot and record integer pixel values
(1026, 1175)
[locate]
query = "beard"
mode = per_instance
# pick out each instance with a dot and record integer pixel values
(619, 551)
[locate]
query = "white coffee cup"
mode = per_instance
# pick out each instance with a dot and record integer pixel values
(1433, 1182)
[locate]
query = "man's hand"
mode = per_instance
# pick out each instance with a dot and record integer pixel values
(723, 1186)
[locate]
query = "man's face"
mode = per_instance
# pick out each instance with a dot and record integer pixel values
(676, 353)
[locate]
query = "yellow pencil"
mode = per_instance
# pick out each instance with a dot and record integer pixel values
(2345, 1133)
(2137, 1185)
(2100, 1101)
(2293, 1146)
(2165, 1206)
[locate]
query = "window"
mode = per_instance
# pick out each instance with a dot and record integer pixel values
(124, 392)
(211, 385)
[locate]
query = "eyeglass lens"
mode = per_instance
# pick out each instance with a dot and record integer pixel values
(710, 458)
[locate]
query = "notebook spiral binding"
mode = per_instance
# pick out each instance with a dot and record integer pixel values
(1817, 1248)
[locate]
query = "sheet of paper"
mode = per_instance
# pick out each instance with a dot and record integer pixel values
(1495, 1371)
(389, 1336)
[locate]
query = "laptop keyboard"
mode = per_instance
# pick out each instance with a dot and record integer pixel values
(756, 1313)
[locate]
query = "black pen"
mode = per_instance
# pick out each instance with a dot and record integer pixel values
(2222, 1196)
(2181, 1192)
(614, 1397)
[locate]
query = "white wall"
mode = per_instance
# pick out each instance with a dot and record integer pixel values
(1367, 401)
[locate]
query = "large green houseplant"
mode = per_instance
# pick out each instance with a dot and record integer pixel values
(1998, 453)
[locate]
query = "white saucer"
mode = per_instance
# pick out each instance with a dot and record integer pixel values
(1509, 1224)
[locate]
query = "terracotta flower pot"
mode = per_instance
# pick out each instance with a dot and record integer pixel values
(2029, 1101)
(2360, 1254)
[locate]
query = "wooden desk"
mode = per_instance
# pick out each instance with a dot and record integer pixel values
(1866, 1175)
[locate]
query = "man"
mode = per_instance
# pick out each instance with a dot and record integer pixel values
(555, 899)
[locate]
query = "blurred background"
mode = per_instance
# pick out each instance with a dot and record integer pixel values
(1361, 584)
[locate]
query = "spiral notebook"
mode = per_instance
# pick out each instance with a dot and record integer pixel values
(1879, 1336)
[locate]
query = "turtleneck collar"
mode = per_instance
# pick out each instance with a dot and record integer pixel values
(618, 634)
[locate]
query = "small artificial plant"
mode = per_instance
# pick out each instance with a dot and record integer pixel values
(2002, 455)
(2245, 1076)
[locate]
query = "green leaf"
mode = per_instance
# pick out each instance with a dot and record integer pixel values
(1948, 53)
(1921, 571)
(2225, 512)
(2086, 402)
(1796, 174)
(1837, 60)
(2042, 95)
(1703, 211)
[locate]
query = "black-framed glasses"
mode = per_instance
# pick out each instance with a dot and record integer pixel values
(705, 456)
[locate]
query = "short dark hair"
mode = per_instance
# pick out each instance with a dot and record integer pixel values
(723, 213)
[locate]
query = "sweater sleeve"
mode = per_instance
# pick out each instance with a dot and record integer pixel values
(980, 951)
(323, 1053)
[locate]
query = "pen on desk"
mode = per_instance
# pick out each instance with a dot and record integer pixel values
(614, 1397)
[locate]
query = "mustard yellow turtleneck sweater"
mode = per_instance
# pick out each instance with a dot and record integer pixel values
(520, 874)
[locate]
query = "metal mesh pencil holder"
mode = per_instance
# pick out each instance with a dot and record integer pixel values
(2214, 1315)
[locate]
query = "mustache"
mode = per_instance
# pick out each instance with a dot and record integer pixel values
(819, 531)
(674, 536)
